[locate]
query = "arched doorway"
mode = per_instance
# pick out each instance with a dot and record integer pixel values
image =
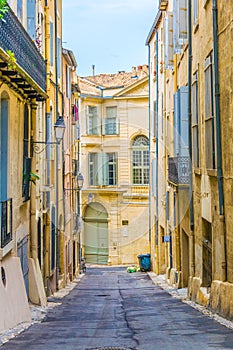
(96, 234)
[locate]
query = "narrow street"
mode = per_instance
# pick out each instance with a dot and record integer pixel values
(112, 309)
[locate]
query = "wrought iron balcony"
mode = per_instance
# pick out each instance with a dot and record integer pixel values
(6, 221)
(14, 37)
(178, 170)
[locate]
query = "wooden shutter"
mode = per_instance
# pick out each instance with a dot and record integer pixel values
(169, 50)
(180, 24)
(184, 144)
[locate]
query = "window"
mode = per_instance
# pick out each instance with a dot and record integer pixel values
(68, 82)
(102, 169)
(140, 158)
(209, 115)
(195, 122)
(110, 123)
(92, 121)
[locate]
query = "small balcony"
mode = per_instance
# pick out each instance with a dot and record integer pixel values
(6, 226)
(28, 73)
(178, 170)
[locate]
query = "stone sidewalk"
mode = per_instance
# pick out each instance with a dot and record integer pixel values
(39, 313)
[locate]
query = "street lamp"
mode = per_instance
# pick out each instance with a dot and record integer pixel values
(59, 129)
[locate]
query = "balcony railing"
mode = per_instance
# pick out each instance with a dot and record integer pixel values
(14, 37)
(178, 170)
(6, 221)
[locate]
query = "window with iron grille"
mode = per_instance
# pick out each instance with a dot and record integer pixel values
(209, 115)
(195, 122)
(102, 169)
(140, 160)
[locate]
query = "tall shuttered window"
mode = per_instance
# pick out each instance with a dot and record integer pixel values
(180, 26)
(195, 122)
(93, 127)
(140, 160)
(20, 10)
(31, 18)
(210, 143)
(110, 124)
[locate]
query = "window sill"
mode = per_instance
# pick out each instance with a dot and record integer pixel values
(212, 172)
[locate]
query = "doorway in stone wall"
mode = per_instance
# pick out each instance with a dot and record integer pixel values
(207, 253)
(96, 247)
(185, 259)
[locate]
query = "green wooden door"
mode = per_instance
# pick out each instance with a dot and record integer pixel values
(96, 234)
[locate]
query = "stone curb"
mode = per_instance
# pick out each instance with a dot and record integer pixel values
(181, 294)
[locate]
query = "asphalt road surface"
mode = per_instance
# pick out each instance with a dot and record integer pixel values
(113, 309)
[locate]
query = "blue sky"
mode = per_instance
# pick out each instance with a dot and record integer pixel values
(109, 34)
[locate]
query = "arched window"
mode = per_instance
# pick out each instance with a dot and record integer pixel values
(140, 159)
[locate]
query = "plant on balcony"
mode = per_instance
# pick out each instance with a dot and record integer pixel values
(3, 8)
(12, 60)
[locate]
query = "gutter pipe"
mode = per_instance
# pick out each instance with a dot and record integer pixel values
(191, 211)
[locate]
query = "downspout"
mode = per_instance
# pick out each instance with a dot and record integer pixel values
(156, 156)
(176, 194)
(47, 57)
(149, 116)
(57, 150)
(191, 212)
(219, 143)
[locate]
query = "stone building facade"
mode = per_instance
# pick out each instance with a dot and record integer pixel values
(190, 77)
(115, 165)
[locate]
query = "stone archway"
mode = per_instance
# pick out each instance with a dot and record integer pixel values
(96, 234)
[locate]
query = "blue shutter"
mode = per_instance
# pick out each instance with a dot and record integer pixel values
(184, 145)
(20, 10)
(31, 18)
(176, 124)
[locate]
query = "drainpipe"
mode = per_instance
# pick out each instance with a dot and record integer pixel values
(157, 155)
(57, 150)
(219, 145)
(47, 56)
(191, 213)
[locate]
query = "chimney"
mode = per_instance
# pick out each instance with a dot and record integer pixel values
(134, 72)
(93, 70)
(145, 68)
